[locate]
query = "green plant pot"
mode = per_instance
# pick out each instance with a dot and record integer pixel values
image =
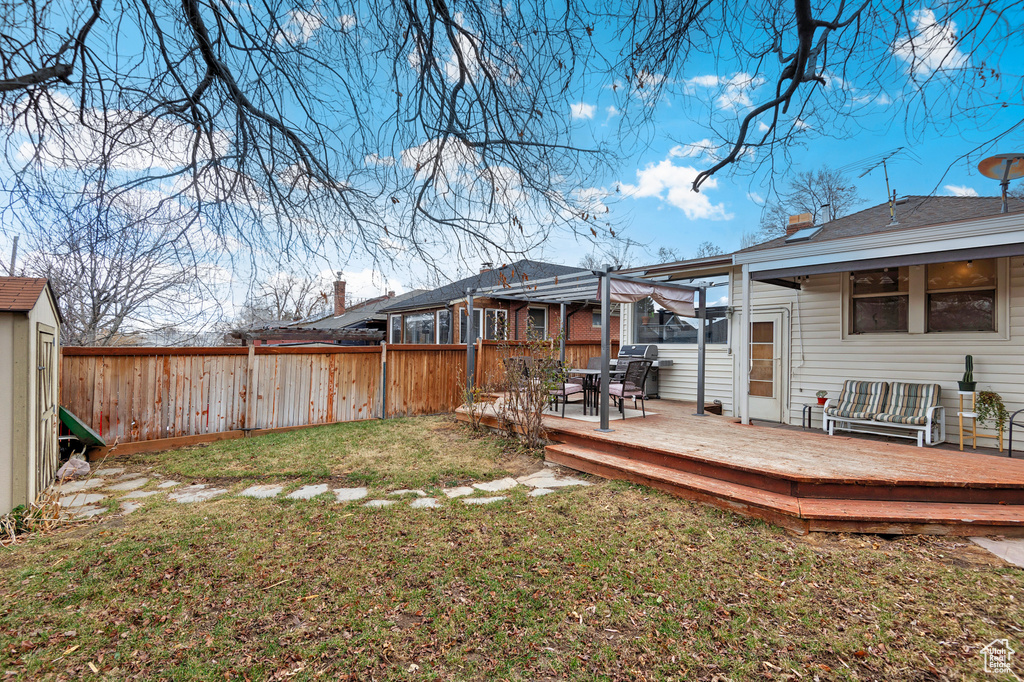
(967, 386)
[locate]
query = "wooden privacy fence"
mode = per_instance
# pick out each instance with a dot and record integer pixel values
(143, 394)
(490, 370)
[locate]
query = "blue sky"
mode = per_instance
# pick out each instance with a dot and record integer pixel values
(654, 204)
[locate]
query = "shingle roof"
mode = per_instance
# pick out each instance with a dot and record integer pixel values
(19, 294)
(523, 270)
(916, 211)
(356, 314)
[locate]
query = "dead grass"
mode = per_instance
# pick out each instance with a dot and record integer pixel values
(610, 582)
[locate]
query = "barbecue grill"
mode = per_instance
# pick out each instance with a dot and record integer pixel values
(644, 351)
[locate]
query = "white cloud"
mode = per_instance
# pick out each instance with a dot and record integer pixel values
(300, 27)
(376, 159)
(734, 89)
(756, 198)
(801, 124)
(591, 199)
(347, 22)
(612, 112)
(762, 127)
(703, 147)
(582, 110)
(930, 46)
(673, 185)
(961, 191)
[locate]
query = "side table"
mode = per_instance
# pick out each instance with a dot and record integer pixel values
(806, 421)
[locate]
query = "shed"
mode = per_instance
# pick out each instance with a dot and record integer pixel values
(29, 385)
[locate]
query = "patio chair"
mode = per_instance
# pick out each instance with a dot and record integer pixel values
(632, 385)
(565, 389)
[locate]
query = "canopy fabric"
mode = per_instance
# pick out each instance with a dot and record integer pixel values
(679, 301)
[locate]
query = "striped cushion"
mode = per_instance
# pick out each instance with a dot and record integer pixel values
(860, 399)
(568, 389)
(909, 403)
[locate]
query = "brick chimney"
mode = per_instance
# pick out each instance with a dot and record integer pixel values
(391, 294)
(339, 298)
(484, 267)
(799, 222)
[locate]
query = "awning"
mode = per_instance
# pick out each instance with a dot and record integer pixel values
(679, 301)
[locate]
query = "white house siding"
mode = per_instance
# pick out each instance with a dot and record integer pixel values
(820, 358)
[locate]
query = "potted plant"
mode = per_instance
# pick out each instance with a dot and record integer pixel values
(990, 405)
(822, 397)
(968, 384)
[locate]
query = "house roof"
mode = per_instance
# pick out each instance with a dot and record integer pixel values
(355, 314)
(518, 272)
(911, 212)
(19, 294)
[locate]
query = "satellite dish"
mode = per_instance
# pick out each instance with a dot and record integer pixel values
(1003, 167)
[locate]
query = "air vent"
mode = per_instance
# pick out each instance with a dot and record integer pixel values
(803, 235)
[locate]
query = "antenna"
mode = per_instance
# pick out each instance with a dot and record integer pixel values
(1003, 167)
(869, 164)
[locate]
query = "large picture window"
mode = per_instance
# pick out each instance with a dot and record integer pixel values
(654, 324)
(962, 296)
(881, 300)
(419, 328)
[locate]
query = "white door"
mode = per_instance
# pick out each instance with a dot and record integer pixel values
(767, 367)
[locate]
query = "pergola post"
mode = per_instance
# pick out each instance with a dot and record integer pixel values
(470, 343)
(702, 298)
(561, 343)
(606, 345)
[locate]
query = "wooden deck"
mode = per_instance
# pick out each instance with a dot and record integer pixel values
(802, 480)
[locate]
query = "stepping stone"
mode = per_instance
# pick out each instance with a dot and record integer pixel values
(169, 484)
(483, 500)
(89, 512)
(407, 491)
(139, 494)
(308, 492)
(130, 484)
(349, 494)
(195, 493)
(81, 485)
(129, 507)
(109, 471)
(379, 503)
(81, 499)
(496, 486)
(547, 479)
(424, 503)
(461, 491)
(537, 492)
(261, 492)
(1009, 550)
(130, 474)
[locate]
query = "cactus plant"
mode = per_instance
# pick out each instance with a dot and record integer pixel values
(968, 383)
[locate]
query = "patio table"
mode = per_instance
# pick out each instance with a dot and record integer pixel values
(589, 377)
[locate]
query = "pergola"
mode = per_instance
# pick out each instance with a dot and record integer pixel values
(593, 287)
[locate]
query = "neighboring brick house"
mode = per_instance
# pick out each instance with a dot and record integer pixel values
(429, 317)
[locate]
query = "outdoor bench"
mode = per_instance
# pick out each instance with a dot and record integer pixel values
(888, 409)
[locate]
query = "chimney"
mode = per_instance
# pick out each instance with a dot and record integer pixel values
(391, 294)
(485, 266)
(339, 298)
(799, 222)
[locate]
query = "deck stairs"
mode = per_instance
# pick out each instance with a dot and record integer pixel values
(800, 503)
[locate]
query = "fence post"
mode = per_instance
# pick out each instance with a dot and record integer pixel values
(250, 391)
(384, 380)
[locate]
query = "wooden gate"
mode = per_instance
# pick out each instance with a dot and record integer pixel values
(47, 454)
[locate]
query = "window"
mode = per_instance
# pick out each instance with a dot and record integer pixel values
(496, 325)
(537, 323)
(962, 296)
(881, 300)
(444, 326)
(419, 328)
(464, 327)
(395, 330)
(595, 320)
(654, 324)
(956, 296)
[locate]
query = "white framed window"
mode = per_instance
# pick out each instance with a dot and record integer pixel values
(395, 329)
(537, 323)
(880, 300)
(443, 326)
(962, 296)
(418, 328)
(595, 318)
(478, 324)
(495, 324)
